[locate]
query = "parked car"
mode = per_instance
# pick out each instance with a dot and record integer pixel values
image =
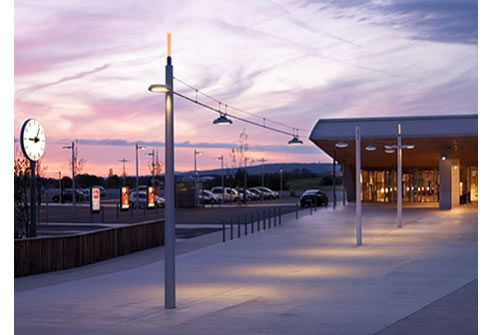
(267, 193)
(314, 197)
(101, 190)
(249, 195)
(67, 196)
(142, 200)
(227, 193)
(87, 193)
(207, 197)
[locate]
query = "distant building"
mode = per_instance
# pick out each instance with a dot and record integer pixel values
(443, 166)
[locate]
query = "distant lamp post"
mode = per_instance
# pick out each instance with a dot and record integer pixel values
(221, 158)
(153, 164)
(262, 160)
(72, 147)
(197, 177)
(124, 160)
(137, 147)
(399, 188)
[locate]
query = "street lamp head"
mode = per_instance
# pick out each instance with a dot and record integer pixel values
(295, 140)
(222, 119)
(159, 88)
(341, 145)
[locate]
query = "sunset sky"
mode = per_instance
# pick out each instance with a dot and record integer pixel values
(83, 68)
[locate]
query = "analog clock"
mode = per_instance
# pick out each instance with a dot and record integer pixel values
(32, 139)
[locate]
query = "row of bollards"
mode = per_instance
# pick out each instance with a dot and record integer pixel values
(250, 222)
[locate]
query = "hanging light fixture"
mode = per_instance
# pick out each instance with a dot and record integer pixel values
(370, 147)
(222, 119)
(341, 144)
(389, 151)
(295, 140)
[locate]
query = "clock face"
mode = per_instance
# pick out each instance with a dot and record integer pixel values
(32, 139)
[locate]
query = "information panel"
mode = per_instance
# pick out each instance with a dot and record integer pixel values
(95, 199)
(150, 197)
(125, 198)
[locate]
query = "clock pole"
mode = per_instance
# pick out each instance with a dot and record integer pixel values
(32, 229)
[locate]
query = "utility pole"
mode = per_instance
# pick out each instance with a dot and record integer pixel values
(221, 158)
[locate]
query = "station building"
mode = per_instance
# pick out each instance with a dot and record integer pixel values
(442, 166)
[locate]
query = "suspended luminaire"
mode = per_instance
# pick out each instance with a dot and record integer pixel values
(341, 144)
(410, 146)
(389, 151)
(370, 147)
(222, 119)
(295, 140)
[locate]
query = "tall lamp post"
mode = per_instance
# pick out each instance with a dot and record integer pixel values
(245, 178)
(399, 188)
(73, 175)
(59, 185)
(170, 211)
(263, 160)
(137, 147)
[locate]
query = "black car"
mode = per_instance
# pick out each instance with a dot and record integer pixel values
(314, 197)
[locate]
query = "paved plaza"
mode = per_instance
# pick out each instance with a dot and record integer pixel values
(303, 277)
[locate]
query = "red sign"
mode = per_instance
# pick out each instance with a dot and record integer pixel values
(95, 200)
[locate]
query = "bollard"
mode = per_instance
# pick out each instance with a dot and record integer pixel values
(252, 223)
(223, 231)
(297, 211)
(315, 205)
(311, 208)
(245, 224)
(274, 216)
(264, 220)
(280, 216)
(232, 229)
(269, 218)
(238, 227)
(258, 219)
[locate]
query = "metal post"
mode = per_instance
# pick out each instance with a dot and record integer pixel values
(238, 227)
(117, 211)
(310, 207)
(232, 228)
(32, 230)
(73, 179)
(358, 207)
(274, 217)
(343, 184)
(223, 231)
(252, 223)
(264, 220)
(269, 218)
(170, 229)
(281, 183)
(136, 175)
(334, 183)
(399, 188)
(245, 224)
(280, 215)
(297, 211)
(258, 218)
(60, 184)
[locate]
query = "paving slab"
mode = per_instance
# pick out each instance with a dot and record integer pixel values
(304, 277)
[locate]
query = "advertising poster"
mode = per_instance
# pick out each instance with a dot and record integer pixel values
(125, 198)
(95, 200)
(150, 197)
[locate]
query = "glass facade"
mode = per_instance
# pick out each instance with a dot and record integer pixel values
(419, 185)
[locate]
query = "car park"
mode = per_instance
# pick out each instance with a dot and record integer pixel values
(267, 193)
(313, 197)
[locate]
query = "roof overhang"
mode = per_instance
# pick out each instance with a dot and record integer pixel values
(455, 135)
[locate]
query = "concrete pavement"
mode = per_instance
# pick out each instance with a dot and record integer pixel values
(305, 277)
